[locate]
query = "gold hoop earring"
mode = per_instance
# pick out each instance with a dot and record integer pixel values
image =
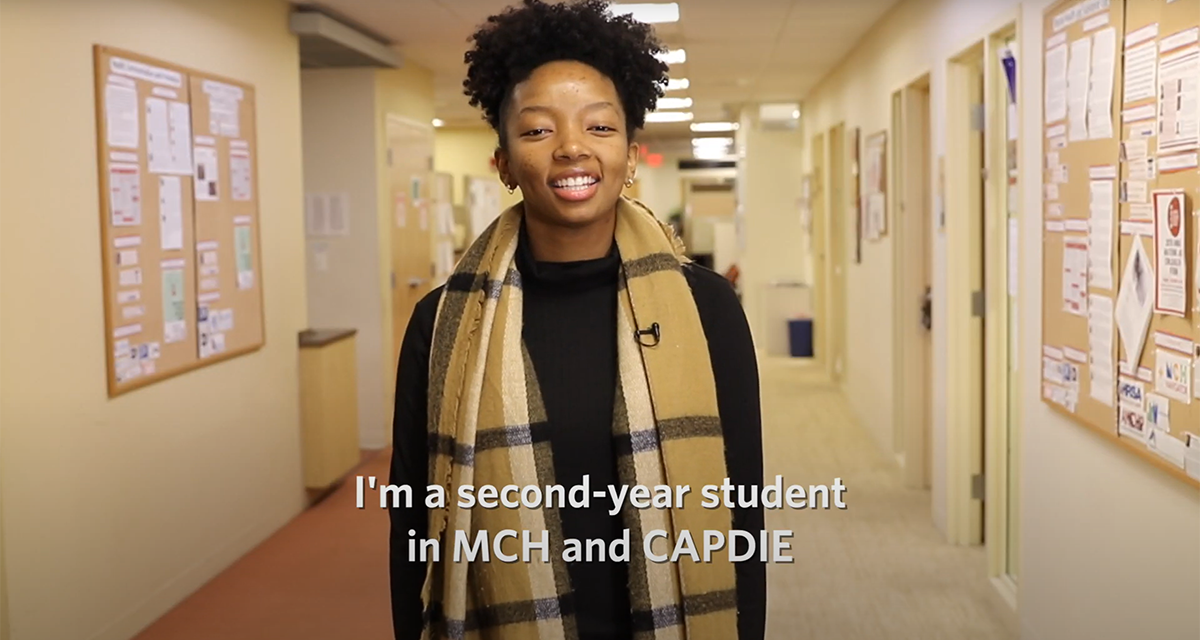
(629, 182)
(511, 189)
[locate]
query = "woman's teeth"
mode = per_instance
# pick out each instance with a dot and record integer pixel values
(575, 183)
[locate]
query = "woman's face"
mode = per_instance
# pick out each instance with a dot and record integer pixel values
(567, 147)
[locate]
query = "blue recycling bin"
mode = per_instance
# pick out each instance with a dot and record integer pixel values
(800, 337)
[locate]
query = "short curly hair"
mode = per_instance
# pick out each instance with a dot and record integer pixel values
(512, 44)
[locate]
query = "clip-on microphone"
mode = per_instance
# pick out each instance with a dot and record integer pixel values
(653, 331)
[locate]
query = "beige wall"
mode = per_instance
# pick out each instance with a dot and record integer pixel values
(116, 509)
(465, 151)
(769, 193)
(338, 107)
(661, 187)
(1087, 508)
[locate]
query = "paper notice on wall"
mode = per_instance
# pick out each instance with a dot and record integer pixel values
(1170, 223)
(170, 212)
(1078, 77)
(1100, 346)
(1100, 234)
(1179, 101)
(207, 174)
(174, 320)
(1131, 393)
(181, 138)
(1135, 302)
(1056, 84)
(1100, 90)
(338, 214)
(168, 137)
(240, 175)
(1142, 169)
(1173, 375)
(224, 105)
(316, 214)
(245, 259)
(1141, 72)
(125, 194)
(1135, 192)
(121, 113)
(1074, 277)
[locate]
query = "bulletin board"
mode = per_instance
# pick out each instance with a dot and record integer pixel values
(1094, 75)
(1079, 200)
(1158, 318)
(163, 217)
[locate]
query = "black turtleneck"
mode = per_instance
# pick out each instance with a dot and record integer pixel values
(570, 316)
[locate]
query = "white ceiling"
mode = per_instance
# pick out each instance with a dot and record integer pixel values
(737, 51)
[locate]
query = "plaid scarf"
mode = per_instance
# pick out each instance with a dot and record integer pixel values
(487, 427)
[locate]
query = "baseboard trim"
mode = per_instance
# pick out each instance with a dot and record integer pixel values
(1007, 589)
(175, 590)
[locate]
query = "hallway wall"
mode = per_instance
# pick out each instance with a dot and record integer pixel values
(915, 38)
(464, 151)
(1087, 507)
(338, 107)
(115, 509)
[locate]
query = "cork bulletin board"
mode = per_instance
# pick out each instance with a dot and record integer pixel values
(177, 223)
(1119, 344)
(1079, 199)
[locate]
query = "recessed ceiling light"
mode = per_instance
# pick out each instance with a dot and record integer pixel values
(673, 56)
(674, 103)
(677, 84)
(669, 116)
(706, 127)
(650, 13)
(437, 122)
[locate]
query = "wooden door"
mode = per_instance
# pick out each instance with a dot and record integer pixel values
(410, 169)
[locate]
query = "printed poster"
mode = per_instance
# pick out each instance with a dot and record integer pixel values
(1075, 275)
(1135, 302)
(125, 194)
(245, 262)
(1179, 101)
(1173, 375)
(240, 175)
(174, 323)
(1170, 224)
(170, 212)
(206, 173)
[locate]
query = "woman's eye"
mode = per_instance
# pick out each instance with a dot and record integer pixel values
(534, 132)
(604, 128)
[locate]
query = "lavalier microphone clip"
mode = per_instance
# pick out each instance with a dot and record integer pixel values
(653, 332)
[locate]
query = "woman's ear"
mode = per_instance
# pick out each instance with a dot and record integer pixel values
(635, 151)
(503, 169)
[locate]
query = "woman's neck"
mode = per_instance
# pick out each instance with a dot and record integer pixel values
(555, 243)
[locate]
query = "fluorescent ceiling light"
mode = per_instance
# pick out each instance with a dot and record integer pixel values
(437, 122)
(712, 142)
(669, 116)
(673, 56)
(677, 84)
(706, 127)
(703, 153)
(650, 13)
(674, 103)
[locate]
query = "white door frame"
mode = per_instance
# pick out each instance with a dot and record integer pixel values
(999, 447)
(964, 329)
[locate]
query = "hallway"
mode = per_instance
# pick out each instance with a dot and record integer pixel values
(876, 570)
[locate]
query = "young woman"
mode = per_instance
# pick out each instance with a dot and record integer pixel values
(574, 343)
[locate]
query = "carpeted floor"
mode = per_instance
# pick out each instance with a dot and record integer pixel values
(877, 570)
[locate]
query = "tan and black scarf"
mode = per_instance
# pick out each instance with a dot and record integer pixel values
(485, 410)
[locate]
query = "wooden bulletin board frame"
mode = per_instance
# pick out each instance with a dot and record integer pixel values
(1078, 381)
(1122, 166)
(148, 115)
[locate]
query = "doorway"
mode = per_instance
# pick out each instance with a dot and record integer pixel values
(913, 274)
(410, 175)
(835, 293)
